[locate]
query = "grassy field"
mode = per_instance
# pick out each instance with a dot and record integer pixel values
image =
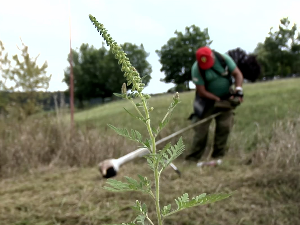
(49, 176)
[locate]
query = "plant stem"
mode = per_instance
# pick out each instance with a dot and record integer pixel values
(163, 120)
(156, 172)
(137, 109)
(149, 220)
(148, 124)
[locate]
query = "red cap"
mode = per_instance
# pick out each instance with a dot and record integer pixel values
(205, 57)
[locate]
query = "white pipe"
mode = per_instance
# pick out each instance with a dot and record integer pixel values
(110, 167)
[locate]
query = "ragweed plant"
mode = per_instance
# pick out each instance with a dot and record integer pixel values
(157, 160)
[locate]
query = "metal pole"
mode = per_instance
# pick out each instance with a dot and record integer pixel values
(115, 164)
(71, 75)
(187, 128)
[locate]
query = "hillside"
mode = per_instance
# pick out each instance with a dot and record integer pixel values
(49, 174)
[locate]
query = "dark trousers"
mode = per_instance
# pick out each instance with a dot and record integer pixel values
(224, 123)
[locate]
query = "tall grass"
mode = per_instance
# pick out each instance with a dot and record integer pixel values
(48, 141)
(262, 164)
(266, 123)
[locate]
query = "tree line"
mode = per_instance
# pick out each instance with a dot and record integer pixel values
(98, 75)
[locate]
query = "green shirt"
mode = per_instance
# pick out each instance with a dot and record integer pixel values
(216, 84)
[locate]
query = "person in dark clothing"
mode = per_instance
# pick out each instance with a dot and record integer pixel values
(212, 74)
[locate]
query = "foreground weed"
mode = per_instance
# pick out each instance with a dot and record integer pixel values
(158, 160)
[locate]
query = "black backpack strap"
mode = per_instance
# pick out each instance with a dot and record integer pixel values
(223, 64)
(202, 73)
(220, 58)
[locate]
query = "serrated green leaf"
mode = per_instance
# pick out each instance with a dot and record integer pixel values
(162, 156)
(161, 125)
(150, 163)
(170, 153)
(167, 117)
(147, 143)
(181, 201)
(117, 186)
(140, 219)
(142, 210)
(152, 160)
(137, 206)
(144, 181)
(166, 209)
(142, 185)
(132, 182)
(134, 116)
(134, 136)
(120, 131)
(204, 199)
(184, 202)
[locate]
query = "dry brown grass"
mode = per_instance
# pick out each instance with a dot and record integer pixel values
(50, 143)
(74, 196)
(282, 151)
(49, 176)
(267, 191)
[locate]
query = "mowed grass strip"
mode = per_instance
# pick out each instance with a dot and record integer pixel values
(75, 196)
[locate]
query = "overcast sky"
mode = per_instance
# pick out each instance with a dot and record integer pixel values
(44, 26)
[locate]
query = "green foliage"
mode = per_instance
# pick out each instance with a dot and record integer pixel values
(4, 69)
(178, 54)
(142, 210)
(247, 64)
(157, 160)
(168, 115)
(26, 78)
(184, 202)
(97, 73)
(170, 153)
(279, 54)
(142, 185)
(134, 135)
(27, 75)
(164, 157)
(142, 218)
(136, 117)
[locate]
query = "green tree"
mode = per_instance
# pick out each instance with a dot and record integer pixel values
(27, 78)
(178, 55)
(97, 73)
(4, 69)
(247, 63)
(88, 67)
(280, 52)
